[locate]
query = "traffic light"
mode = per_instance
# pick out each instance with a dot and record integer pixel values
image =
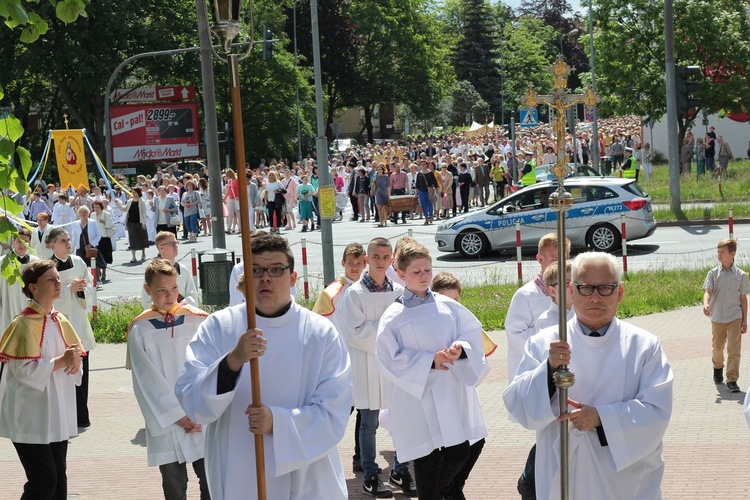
(267, 44)
(686, 89)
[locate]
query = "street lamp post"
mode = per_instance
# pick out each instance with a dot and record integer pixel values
(296, 84)
(595, 124)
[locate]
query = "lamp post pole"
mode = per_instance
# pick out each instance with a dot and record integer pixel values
(594, 147)
(296, 84)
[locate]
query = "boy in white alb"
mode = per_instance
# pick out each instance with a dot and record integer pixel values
(551, 316)
(429, 349)
(157, 340)
(12, 298)
(365, 302)
(42, 364)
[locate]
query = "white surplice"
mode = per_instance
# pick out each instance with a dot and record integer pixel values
(551, 317)
(626, 376)
(38, 243)
(38, 404)
(431, 408)
(360, 314)
(305, 379)
(527, 304)
(73, 306)
(157, 356)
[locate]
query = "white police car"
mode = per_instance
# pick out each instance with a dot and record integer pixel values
(593, 220)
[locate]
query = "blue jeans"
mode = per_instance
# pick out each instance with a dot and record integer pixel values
(424, 200)
(710, 165)
(191, 223)
(367, 451)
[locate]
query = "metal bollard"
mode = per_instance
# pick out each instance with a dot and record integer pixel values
(731, 223)
(94, 301)
(518, 253)
(194, 260)
(305, 280)
(624, 246)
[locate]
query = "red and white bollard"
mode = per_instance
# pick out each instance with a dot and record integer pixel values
(194, 260)
(720, 192)
(624, 246)
(305, 281)
(731, 223)
(94, 301)
(518, 253)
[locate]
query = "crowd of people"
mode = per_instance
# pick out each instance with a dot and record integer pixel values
(388, 339)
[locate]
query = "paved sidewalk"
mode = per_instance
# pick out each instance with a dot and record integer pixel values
(707, 445)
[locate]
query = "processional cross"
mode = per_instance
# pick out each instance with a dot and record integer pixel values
(561, 201)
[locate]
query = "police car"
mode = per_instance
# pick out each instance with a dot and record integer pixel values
(593, 220)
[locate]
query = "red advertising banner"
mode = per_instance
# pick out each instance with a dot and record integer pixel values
(154, 132)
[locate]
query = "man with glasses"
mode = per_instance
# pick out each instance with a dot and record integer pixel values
(305, 381)
(168, 247)
(620, 405)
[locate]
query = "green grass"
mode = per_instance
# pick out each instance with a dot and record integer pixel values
(646, 292)
(734, 187)
(111, 324)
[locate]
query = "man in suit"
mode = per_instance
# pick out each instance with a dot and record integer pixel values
(351, 192)
(484, 180)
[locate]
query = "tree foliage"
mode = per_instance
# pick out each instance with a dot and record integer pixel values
(629, 44)
(466, 102)
(477, 55)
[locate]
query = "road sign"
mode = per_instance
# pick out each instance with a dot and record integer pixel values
(154, 132)
(529, 119)
(154, 94)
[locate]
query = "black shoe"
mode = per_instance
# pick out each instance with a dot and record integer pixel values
(356, 465)
(373, 486)
(404, 482)
(718, 375)
(733, 387)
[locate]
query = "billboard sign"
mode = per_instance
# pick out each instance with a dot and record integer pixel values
(154, 132)
(152, 94)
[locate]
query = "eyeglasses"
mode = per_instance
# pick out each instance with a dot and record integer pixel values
(604, 290)
(273, 272)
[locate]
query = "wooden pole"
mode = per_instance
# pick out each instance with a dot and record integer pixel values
(247, 257)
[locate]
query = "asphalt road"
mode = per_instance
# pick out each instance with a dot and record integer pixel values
(668, 247)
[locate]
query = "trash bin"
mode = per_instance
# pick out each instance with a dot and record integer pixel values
(215, 268)
(606, 163)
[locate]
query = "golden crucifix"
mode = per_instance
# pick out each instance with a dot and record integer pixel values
(560, 201)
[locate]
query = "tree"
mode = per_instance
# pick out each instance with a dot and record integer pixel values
(477, 55)
(629, 44)
(559, 15)
(402, 57)
(467, 103)
(527, 58)
(15, 160)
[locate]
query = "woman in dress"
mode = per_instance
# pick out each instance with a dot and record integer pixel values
(191, 200)
(273, 190)
(446, 183)
(232, 201)
(382, 193)
(135, 213)
(206, 206)
(106, 230)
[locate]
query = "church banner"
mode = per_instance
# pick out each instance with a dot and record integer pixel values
(71, 160)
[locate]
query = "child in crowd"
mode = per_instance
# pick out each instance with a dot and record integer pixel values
(449, 285)
(551, 316)
(41, 357)
(305, 194)
(429, 349)
(157, 340)
(725, 302)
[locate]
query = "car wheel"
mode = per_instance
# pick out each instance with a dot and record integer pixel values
(473, 244)
(604, 238)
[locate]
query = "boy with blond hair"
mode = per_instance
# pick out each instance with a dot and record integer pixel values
(429, 349)
(551, 316)
(157, 340)
(725, 302)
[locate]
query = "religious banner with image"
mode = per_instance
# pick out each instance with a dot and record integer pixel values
(71, 160)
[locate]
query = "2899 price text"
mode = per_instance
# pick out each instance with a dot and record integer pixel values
(160, 114)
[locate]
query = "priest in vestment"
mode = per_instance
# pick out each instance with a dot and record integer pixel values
(306, 386)
(620, 405)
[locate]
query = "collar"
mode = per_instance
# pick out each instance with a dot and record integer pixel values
(277, 314)
(540, 283)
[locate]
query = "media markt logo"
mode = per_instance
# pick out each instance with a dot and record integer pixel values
(158, 153)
